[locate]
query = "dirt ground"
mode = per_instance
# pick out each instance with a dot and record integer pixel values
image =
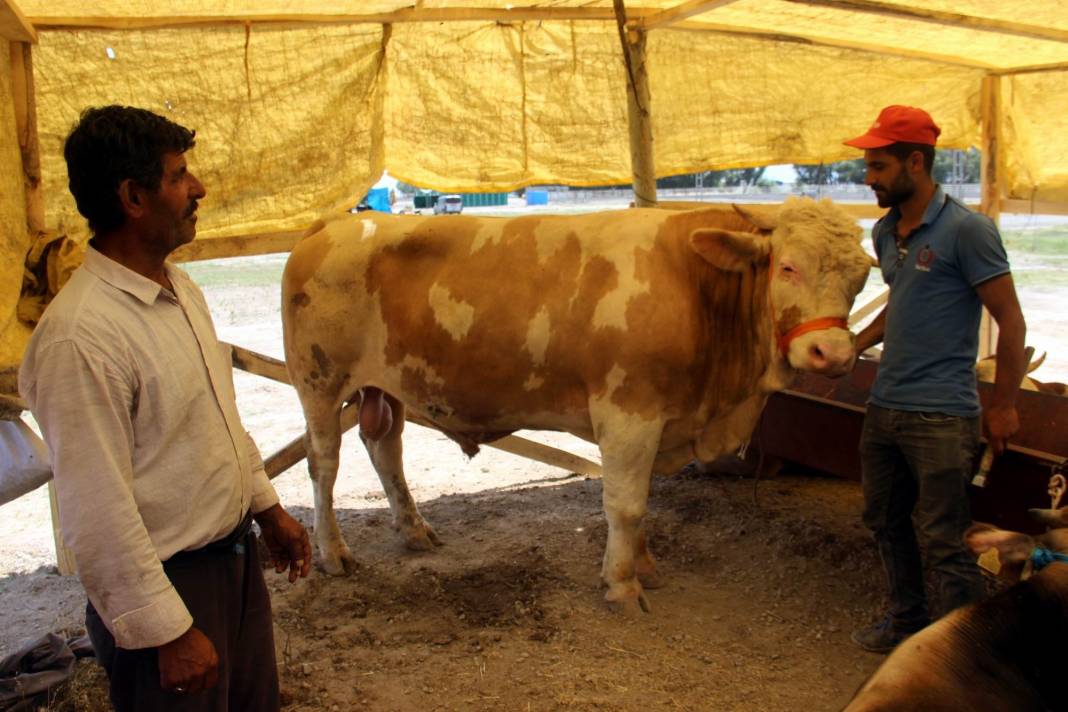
(760, 596)
(508, 615)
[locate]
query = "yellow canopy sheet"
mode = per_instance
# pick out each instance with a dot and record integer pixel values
(296, 120)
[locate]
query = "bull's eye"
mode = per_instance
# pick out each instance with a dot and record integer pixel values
(789, 269)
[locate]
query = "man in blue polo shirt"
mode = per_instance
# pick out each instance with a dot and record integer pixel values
(943, 263)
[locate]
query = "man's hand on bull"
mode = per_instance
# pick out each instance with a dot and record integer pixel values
(286, 540)
(1000, 423)
(188, 664)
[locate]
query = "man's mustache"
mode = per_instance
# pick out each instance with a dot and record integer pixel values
(192, 209)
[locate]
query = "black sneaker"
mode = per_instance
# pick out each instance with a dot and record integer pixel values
(882, 637)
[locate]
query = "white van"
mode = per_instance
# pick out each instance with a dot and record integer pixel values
(447, 204)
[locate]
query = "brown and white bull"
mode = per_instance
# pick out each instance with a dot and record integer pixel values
(1004, 654)
(656, 334)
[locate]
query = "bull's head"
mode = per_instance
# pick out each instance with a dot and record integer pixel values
(1015, 551)
(816, 269)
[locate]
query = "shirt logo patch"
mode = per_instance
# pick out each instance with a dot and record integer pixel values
(925, 258)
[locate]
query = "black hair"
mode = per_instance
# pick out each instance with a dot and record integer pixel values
(110, 144)
(901, 151)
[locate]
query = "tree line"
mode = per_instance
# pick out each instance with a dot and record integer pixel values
(950, 167)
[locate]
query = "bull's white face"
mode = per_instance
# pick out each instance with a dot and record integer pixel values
(813, 277)
(816, 269)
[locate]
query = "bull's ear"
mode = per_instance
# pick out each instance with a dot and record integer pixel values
(1012, 546)
(1013, 549)
(730, 251)
(764, 221)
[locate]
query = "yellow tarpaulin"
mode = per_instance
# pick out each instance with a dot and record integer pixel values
(14, 235)
(298, 119)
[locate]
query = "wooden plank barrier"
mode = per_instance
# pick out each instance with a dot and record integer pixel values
(294, 451)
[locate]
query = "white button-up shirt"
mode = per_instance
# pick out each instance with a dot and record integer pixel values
(135, 397)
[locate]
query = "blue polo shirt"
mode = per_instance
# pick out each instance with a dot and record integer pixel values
(932, 317)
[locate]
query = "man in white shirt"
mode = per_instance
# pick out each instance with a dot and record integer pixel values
(156, 478)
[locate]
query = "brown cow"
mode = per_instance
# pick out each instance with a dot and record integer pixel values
(656, 334)
(1004, 654)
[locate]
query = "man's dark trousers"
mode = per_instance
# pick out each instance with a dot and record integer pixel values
(916, 466)
(222, 586)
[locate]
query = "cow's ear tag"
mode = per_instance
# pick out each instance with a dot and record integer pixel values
(729, 251)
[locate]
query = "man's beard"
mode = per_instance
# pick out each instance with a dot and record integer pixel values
(900, 190)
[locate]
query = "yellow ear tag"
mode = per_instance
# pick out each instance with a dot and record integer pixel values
(990, 561)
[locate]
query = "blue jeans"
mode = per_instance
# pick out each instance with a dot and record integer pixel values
(915, 471)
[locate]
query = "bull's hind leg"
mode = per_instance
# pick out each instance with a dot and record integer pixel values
(323, 443)
(644, 563)
(628, 448)
(386, 456)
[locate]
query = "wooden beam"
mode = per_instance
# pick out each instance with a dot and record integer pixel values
(940, 17)
(24, 101)
(294, 451)
(680, 12)
(14, 26)
(12, 403)
(990, 184)
(210, 248)
(258, 364)
(864, 310)
(990, 170)
(1033, 207)
(25, 105)
(816, 40)
(639, 110)
(548, 455)
(459, 14)
(1033, 69)
(409, 14)
(857, 210)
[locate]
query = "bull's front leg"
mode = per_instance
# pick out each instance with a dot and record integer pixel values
(628, 448)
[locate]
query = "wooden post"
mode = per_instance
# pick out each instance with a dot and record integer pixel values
(639, 116)
(25, 104)
(990, 185)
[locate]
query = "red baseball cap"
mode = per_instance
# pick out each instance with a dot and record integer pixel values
(899, 124)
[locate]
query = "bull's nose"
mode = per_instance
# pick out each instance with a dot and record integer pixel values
(830, 357)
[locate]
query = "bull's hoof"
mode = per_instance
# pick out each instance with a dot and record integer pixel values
(339, 563)
(630, 606)
(627, 598)
(651, 579)
(422, 538)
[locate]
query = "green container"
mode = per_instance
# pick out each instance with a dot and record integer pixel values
(481, 200)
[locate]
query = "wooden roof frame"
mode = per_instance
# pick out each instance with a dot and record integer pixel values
(14, 26)
(677, 16)
(939, 17)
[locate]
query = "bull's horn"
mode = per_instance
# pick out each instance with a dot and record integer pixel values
(762, 221)
(1037, 362)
